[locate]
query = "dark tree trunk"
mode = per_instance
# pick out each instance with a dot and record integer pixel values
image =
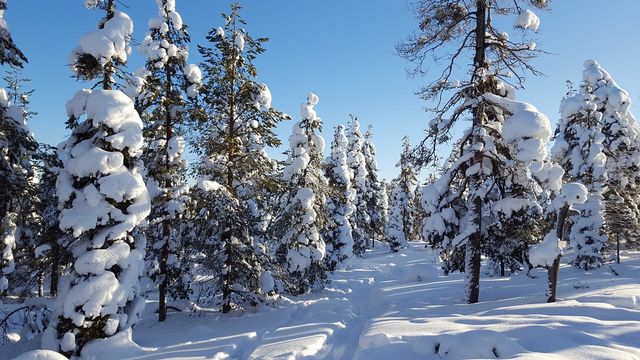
(475, 240)
(552, 281)
(473, 256)
(166, 226)
(618, 248)
(109, 68)
(53, 280)
(227, 280)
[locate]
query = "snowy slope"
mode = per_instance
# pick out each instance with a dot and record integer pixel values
(398, 306)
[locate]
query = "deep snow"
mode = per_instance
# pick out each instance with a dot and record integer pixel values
(400, 306)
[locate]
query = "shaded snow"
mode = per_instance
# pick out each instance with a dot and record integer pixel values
(401, 307)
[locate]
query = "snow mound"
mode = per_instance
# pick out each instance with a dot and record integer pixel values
(41, 355)
(119, 346)
(476, 344)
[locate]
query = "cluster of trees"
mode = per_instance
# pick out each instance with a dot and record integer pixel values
(116, 211)
(500, 191)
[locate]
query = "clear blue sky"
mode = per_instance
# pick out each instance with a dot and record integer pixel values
(343, 50)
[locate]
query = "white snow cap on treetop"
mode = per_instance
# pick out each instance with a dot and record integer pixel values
(307, 110)
(606, 91)
(594, 74)
(313, 99)
(111, 42)
(527, 20)
(571, 194)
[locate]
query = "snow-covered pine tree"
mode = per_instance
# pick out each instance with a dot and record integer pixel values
(163, 101)
(578, 149)
(621, 146)
(488, 163)
(338, 238)
(299, 227)
(102, 194)
(376, 195)
(232, 143)
(357, 163)
(16, 146)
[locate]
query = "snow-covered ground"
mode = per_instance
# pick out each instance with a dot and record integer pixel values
(399, 306)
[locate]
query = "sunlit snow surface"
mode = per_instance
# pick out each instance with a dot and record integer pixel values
(399, 306)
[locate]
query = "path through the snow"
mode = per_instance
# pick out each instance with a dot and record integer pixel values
(400, 306)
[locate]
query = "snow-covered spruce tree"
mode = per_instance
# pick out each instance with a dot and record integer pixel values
(16, 146)
(395, 226)
(357, 163)
(578, 149)
(299, 226)
(233, 141)
(163, 100)
(375, 196)
(488, 163)
(26, 278)
(338, 238)
(621, 146)
(407, 181)
(401, 217)
(102, 194)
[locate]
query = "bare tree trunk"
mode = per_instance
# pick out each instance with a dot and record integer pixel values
(552, 281)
